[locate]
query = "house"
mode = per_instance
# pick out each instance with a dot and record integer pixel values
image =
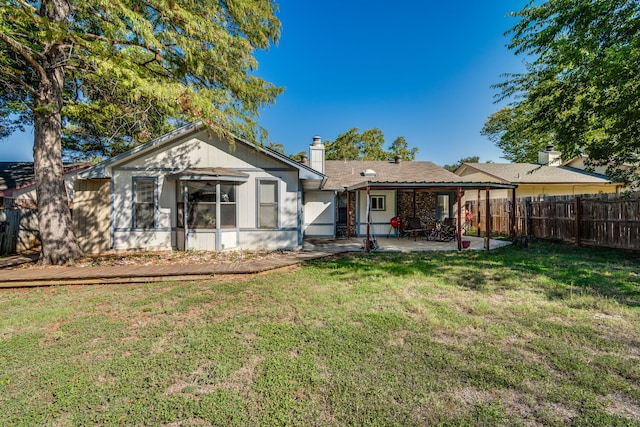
(548, 177)
(17, 183)
(416, 189)
(193, 189)
(196, 189)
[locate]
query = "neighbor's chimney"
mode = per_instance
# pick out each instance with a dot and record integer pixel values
(397, 159)
(304, 159)
(549, 157)
(316, 154)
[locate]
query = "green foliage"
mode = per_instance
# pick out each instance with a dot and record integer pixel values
(275, 146)
(135, 69)
(580, 91)
(107, 75)
(298, 156)
(400, 147)
(544, 336)
(368, 145)
(470, 159)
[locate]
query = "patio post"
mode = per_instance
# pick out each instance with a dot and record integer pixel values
(487, 216)
(459, 221)
(478, 225)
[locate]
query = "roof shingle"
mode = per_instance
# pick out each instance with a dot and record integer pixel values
(345, 173)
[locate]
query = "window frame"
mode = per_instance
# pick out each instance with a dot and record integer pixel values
(443, 211)
(259, 204)
(379, 200)
(135, 203)
(218, 221)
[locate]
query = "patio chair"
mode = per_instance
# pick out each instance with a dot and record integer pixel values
(413, 227)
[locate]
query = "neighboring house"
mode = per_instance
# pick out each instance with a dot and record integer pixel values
(192, 189)
(579, 162)
(17, 183)
(548, 177)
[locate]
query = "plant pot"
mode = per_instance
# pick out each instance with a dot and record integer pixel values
(466, 244)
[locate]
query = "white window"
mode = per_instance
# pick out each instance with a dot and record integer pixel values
(442, 208)
(377, 203)
(144, 203)
(202, 200)
(267, 204)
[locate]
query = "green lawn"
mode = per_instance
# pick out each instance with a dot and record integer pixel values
(544, 336)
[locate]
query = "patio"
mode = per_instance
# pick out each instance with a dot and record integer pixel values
(396, 244)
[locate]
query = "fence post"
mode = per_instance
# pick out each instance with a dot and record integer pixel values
(512, 218)
(478, 215)
(577, 208)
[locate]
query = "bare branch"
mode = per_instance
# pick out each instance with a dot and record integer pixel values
(23, 52)
(28, 6)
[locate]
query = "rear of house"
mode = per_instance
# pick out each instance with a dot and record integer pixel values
(193, 189)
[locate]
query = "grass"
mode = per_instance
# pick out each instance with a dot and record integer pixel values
(545, 336)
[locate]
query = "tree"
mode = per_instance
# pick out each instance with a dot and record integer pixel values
(400, 147)
(581, 91)
(276, 146)
(347, 146)
(372, 145)
(298, 156)
(111, 74)
(470, 159)
(517, 133)
(368, 145)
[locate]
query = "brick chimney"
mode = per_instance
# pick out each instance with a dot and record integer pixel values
(316, 154)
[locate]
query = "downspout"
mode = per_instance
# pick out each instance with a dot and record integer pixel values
(218, 211)
(185, 199)
(367, 241)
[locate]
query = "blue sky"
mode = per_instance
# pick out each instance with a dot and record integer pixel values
(418, 69)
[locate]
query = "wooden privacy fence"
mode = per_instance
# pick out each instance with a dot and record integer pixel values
(18, 230)
(603, 220)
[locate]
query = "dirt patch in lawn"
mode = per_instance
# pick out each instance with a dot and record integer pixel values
(160, 258)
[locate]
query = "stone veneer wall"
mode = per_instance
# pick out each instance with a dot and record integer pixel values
(425, 206)
(352, 215)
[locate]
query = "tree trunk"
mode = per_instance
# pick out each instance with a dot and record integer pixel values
(59, 243)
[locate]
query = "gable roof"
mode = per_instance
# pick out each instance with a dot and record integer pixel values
(101, 169)
(529, 173)
(17, 175)
(343, 174)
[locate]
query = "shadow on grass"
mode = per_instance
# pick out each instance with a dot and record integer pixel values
(559, 271)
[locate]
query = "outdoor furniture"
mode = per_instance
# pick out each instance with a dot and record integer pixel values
(414, 227)
(396, 224)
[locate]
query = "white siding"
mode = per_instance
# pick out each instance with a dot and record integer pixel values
(319, 213)
(380, 220)
(196, 152)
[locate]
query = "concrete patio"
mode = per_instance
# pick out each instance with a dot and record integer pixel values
(395, 244)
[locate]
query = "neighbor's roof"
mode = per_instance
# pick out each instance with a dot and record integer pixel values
(15, 175)
(529, 173)
(348, 173)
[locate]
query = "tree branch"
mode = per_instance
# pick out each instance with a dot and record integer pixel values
(22, 83)
(23, 52)
(28, 6)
